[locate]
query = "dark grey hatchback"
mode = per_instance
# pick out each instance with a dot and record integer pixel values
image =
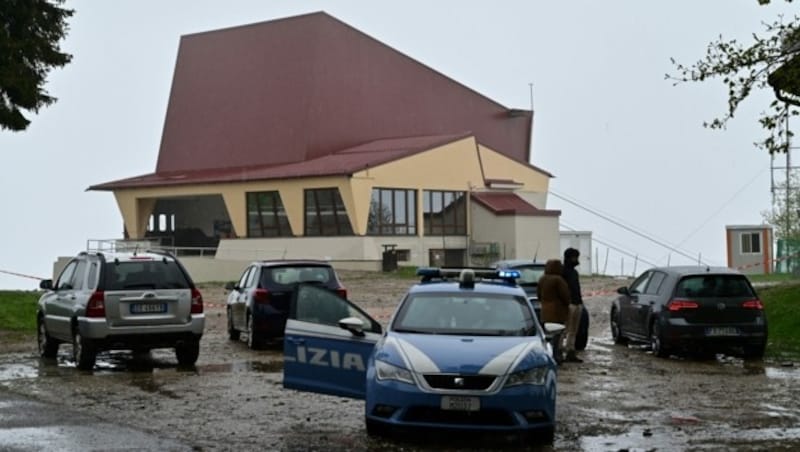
(691, 308)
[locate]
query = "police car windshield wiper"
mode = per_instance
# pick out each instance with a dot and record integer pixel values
(409, 330)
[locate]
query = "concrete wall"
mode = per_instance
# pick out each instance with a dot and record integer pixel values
(518, 236)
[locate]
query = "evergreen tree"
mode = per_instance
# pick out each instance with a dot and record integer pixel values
(30, 31)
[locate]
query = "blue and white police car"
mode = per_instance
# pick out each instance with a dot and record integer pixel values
(463, 351)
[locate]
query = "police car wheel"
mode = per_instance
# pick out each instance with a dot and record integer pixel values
(375, 428)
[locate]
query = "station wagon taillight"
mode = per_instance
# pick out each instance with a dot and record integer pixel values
(261, 296)
(753, 304)
(197, 302)
(342, 292)
(679, 305)
(96, 307)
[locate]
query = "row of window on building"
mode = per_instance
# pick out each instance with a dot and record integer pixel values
(392, 211)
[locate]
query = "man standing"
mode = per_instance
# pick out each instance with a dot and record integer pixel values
(571, 256)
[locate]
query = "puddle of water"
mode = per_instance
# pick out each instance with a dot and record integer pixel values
(243, 366)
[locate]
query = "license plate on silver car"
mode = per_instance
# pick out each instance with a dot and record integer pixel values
(456, 403)
(722, 331)
(148, 308)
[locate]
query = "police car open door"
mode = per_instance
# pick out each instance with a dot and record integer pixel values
(327, 343)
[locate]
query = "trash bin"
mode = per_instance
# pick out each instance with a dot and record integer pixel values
(389, 258)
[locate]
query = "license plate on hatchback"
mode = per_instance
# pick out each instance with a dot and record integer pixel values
(148, 308)
(455, 403)
(722, 331)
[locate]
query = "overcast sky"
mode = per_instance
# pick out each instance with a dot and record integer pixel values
(619, 139)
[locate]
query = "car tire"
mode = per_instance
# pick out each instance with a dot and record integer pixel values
(187, 353)
(48, 347)
(582, 336)
(616, 331)
(657, 344)
(233, 333)
(546, 436)
(375, 428)
(83, 351)
(753, 351)
(253, 342)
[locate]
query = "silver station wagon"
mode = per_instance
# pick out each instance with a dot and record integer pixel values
(121, 301)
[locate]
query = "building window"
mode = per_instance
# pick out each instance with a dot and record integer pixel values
(325, 214)
(444, 212)
(392, 212)
(751, 243)
(403, 255)
(266, 216)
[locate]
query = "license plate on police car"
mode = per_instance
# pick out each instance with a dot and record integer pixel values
(148, 308)
(722, 331)
(456, 403)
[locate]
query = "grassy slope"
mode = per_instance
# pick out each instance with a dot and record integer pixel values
(782, 304)
(18, 311)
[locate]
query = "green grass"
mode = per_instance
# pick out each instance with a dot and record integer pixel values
(18, 311)
(774, 277)
(782, 304)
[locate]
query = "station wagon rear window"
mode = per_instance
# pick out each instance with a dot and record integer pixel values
(144, 274)
(293, 275)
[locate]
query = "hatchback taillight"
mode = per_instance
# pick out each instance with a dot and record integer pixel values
(679, 305)
(342, 292)
(261, 296)
(96, 307)
(197, 302)
(753, 304)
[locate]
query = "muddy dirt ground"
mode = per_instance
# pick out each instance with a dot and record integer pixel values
(620, 398)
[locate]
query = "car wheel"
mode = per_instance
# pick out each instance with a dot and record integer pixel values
(187, 353)
(582, 336)
(375, 428)
(657, 344)
(48, 347)
(83, 351)
(754, 351)
(616, 332)
(233, 333)
(253, 341)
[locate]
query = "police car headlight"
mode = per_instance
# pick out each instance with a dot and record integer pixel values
(534, 376)
(386, 371)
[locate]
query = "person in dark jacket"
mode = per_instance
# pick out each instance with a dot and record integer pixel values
(570, 275)
(553, 293)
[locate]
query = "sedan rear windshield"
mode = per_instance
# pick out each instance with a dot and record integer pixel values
(466, 313)
(734, 286)
(144, 274)
(293, 275)
(529, 275)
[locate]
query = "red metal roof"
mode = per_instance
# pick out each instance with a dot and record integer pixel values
(344, 162)
(299, 88)
(505, 203)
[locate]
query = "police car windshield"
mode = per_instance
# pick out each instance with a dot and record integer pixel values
(465, 314)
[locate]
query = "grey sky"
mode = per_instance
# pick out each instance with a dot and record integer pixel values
(617, 136)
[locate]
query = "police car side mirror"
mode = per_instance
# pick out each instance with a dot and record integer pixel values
(353, 325)
(623, 291)
(230, 286)
(46, 284)
(552, 329)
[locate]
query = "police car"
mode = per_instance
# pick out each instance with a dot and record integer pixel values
(463, 350)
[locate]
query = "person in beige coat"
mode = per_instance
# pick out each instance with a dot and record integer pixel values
(553, 293)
